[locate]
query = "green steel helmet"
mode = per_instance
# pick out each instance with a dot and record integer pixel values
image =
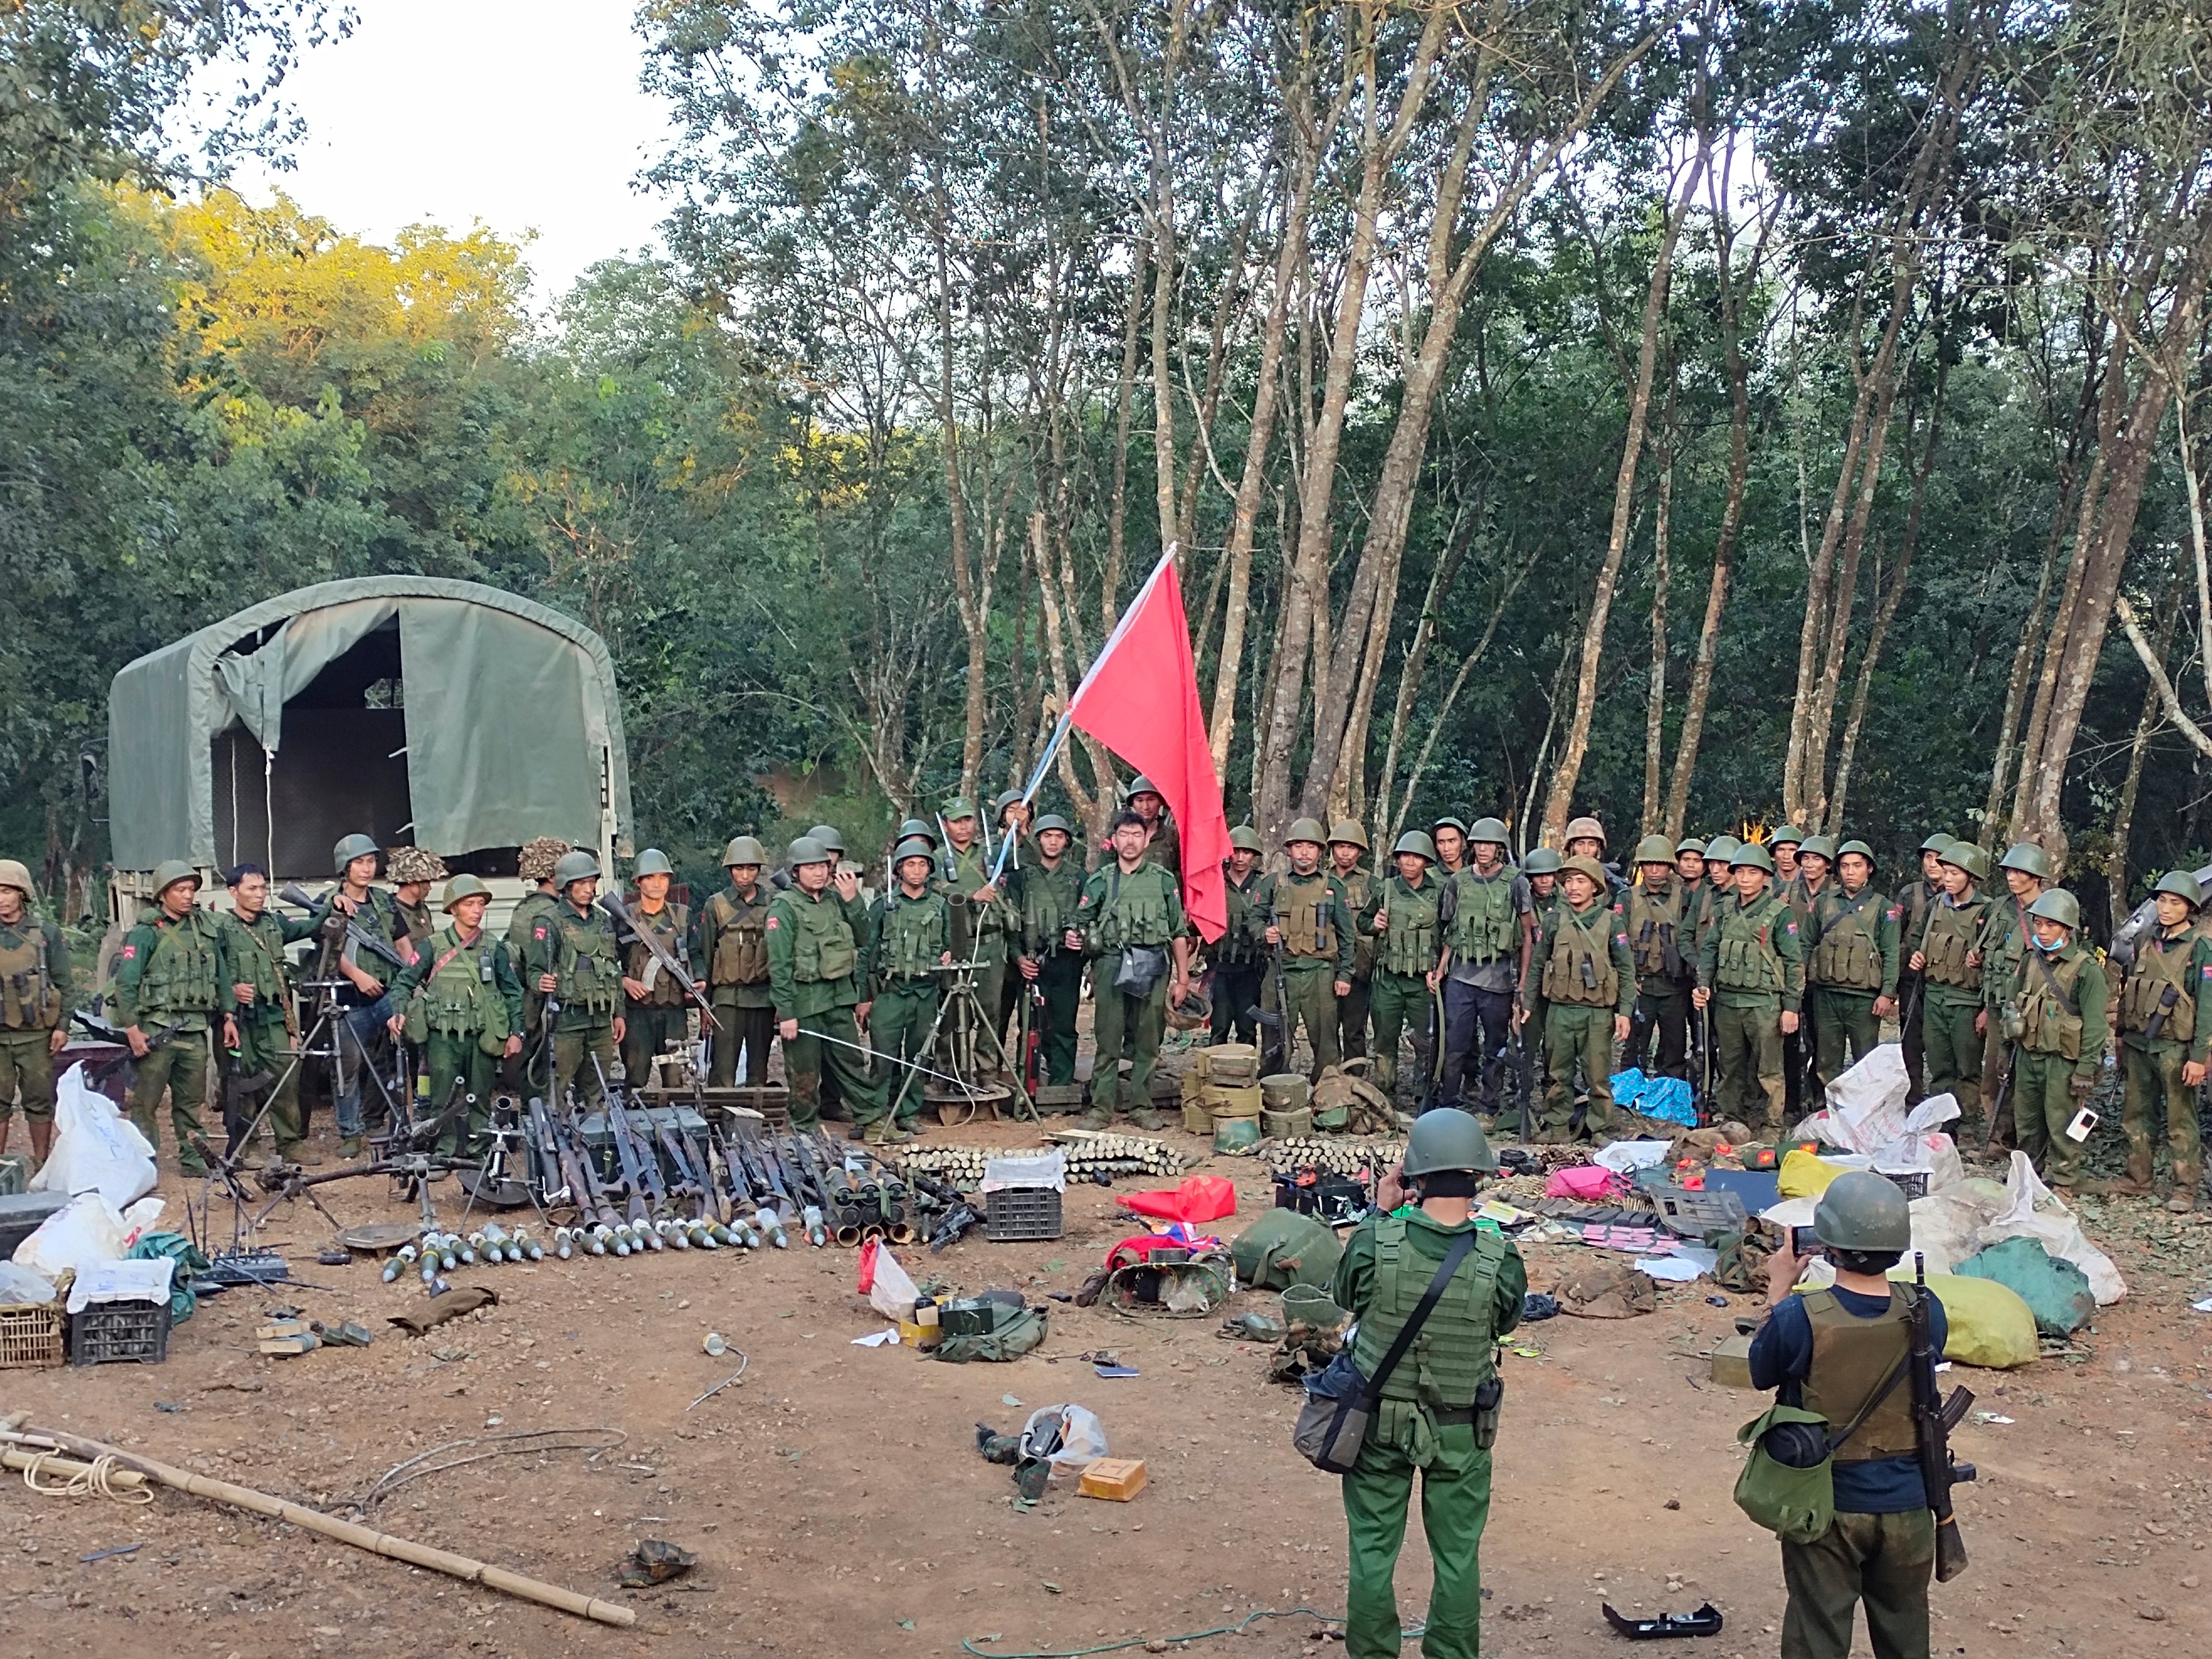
(1007, 797)
(914, 827)
(1445, 1138)
(1819, 847)
(2059, 906)
(1245, 839)
(1490, 829)
(1689, 844)
(1654, 849)
(1863, 1210)
(806, 850)
(913, 847)
(1789, 833)
(1858, 847)
(1583, 864)
(957, 808)
(744, 849)
(168, 873)
(2028, 859)
(1345, 831)
(1723, 849)
(828, 835)
(463, 887)
(2182, 885)
(1141, 784)
(1937, 842)
(1417, 842)
(1053, 821)
(1305, 829)
(579, 865)
(652, 862)
(1752, 853)
(1450, 823)
(1542, 861)
(1965, 855)
(353, 847)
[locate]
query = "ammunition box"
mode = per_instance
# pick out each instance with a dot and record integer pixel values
(1732, 1363)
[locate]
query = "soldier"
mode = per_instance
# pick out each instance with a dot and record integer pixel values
(733, 943)
(2163, 1042)
(2058, 1017)
(1240, 954)
(1854, 964)
(170, 974)
(572, 957)
(1752, 972)
(533, 1068)
(1048, 892)
(1309, 918)
(1486, 915)
(910, 935)
(1581, 999)
(1450, 837)
(1541, 871)
(1163, 841)
(654, 1006)
(983, 918)
(34, 997)
(1951, 1014)
(1690, 864)
(1130, 919)
(411, 872)
(816, 973)
(1784, 845)
(1014, 816)
(260, 1027)
(463, 1004)
(1915, 904)
(1720, 885)
(1347, 845)
(1585, 839)
(1655, 913)
(1801, 1072)
(1402, 919)
(2003, 947)
(365, 1005)
(1438, 1410)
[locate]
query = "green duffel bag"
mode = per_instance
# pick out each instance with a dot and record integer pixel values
(1788, 1484)
(1283, 1249)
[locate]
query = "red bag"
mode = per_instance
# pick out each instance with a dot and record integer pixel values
(1201, 1198)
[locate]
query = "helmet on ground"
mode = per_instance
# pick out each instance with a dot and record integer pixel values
(1245, 839)
(913, 847)
(920, 827)
(409, 863)
(1819, 847)
(463, 887)
(1689, 844)
(652, 862)
(1416, 841)
(1141, 784)
(1490, 829)
(744, 849)
(538, 858)
(1305, 829)
(2179, 883)
(1344, 830)
(1753, 854)
(1723, 849)
(2028, 859)
(2059, 906)
(1789, 834)
(1194, 1013)
(1858, 847)
(1585, 829)
(1583, 864)
(828, 835)
(1935, 843)
(1965, 855)
(1447, 822)
(170, 872)
(1053, 821)
(1446, 1138)
(582, 864)
(350, 848)
(1542, 861)
(12, 874)
(1863, 1210)
(806, 850)
(1654, 849)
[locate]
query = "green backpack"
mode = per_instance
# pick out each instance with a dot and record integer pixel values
(1283, 1249)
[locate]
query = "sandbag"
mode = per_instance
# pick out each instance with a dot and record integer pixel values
(1283, 1249)
(1989, 1326)
(2056, 1291)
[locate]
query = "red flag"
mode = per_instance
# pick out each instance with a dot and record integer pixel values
(1141, 700)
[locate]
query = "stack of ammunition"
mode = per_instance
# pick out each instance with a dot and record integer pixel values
(1332, 1155)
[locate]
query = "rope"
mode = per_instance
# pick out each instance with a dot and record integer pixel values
(968, 1643)
(88, 1481)
(518, 1441)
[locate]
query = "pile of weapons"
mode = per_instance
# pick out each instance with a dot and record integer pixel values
(1332, 1155)
(1093, 1155)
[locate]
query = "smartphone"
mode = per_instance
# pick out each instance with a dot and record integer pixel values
(2084, 1126)
(1802, 1244)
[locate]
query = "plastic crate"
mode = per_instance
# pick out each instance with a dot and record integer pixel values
(1913, 1183)
(109, 1333)
(1694, 1215)
(31, 1337)
(1014, 1213)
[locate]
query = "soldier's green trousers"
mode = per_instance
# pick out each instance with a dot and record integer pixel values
(1844, 1029)
(1060, 977)
(747, 1030)
(1455, 1505)
(898, 1026)
(1951, 1047)
(1748, 1047)
(1310, 985)
(2152, 1080)
(1123, 1025)
(261, 1048)
(26, 1066)
(1351, 1014)
(1399, 1000)
(448, 1059)
(647, 1029)
(574, 1048)
(1883, 1560)
(806, 1057)
(2043, 1104)
(181, 1066)
(1573, 1034)
(991, 989)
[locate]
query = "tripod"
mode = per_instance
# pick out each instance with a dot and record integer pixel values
(974, 1035)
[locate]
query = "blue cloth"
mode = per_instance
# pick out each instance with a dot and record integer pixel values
(1782, 1357)
(1667, 1099)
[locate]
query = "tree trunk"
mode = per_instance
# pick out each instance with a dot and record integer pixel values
(1117, 511)
(1654, 702)
(1409, 677)
(2123, 815)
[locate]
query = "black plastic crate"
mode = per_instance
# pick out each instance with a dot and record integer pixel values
(1913, 1183)
(108, 1333)
(1014, 1213)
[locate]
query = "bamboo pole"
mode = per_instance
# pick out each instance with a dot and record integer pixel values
(15, 1457)
(345, 1532)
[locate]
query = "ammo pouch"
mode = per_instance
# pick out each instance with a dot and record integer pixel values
(1788, 1484)
(1489, 1406)
(1142, 968)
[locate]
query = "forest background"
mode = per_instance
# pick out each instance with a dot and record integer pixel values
(1698, 414)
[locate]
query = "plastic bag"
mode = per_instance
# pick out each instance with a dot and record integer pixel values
(1623, 1156)
(24, 1287)
(1585, 1182)
(84, 1230)
(1066, 1436)
(1199, 1197)
(1989, 1325)
(2056, 1292)
(2033, 1211)
(884, 1283)
(96, 1148)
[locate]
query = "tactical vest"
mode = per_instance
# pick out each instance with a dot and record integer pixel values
(823, 948)
(2159, 987)
(1916, 901)
(2051, 1004)
(1952, 932)
(972, 870)
(1483, 926)
(1049, 898)
(671, 926)
(1357, 888)
(416, 919)
(29, 998)
(1136, 910)
(460, 996)
(1852, 1358)
(1746, 959)
(585, 963)
(1451, 1355)
(1408, 946)
(1654, 924)
(1304, 913)
(913, 931)
(1578, 963)
(1244, 939)
(2005, 942)
(180, 977)
(739, 955)
(1848, 956)
(260, 959)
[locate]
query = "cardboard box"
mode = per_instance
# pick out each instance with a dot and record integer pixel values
(1119, 1478)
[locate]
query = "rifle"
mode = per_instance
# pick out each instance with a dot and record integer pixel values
(545, 1155)
(106, 1032)
(1275, 1053)
(766, 1220)
(1432, 1072)
(626, 1155)
(614, 906)
(1933, 1417)
(358, 938)
(1522, 1085)
(2004, 1093)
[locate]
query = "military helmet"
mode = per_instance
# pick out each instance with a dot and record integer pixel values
(1245, 839)
(1416, 841)
(1585, 829)
(1490, 829)
(1723, 849)
(1005, 798)
(1194, 1013)
(744, 849)
(1819, 847)
(1788, 833)
(1863, 1210)
(409, 863)
(1141, 784)
(1858, 847)
(806, 850)
(1305, 829)
(920, 827)
(828, 835)
(1752, 854)
(1344, 830)
(170, 872)
(1689, 844)
(1540, 861)
(463, 887)
(2180, 883)
(2059, 906)
(913, 847)
(2028, 859)
(12, 874)
(582, 864)
(350, 848)
(1053, 821)
(652, 862)
(538, 858)
(1445, 1138)
(1968, 857)
(1447, 822)
(1654, 849)
(1935, 843)
(1583, 864)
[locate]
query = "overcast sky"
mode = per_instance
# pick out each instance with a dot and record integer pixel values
(523, 113)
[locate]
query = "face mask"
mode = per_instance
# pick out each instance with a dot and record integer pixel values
(2052, 949)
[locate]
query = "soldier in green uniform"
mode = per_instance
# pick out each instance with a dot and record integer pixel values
(1784, 845)
(1582, 997)
(1952, 1015)
(1719, 892)
(1801, 1050)
(1047, 893)
(1854, 963)
(909, 935)
(2059, 1022)
(1131, 924)
(412, 872)
(1655, 913)
(1440, 1405)
(733, 943)
(1015, 817)
(1484, 913)
(531, 1069)
(364, 1002)
(463, 1006)
(1240, 954)
(1163, 841)
(260, 1026)
(1448, 835)
(572, 958)
(655, 1008)
(2164, 1039)
(984, 919)
(817, 970)
(2003, 949)
(1307, 917)
(1916, 905)
(1348, 845)
(34, 997)
(1752, 973)
(1690, 865)
(170, 974)
(1401, 918)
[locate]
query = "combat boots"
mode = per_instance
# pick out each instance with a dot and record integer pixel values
(885, 1133)
(2186, 1177)
(1147, 1120)
(2134, 1183)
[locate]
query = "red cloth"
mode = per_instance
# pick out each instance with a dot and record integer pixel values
(1199, 1197)
(1141, 700)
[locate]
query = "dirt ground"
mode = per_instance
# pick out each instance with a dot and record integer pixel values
(837, 1506)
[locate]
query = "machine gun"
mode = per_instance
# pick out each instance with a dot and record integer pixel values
(955, 1214)
(108, 1032)
(614, 906)
(1933, 1419)
(636, 1182)
(748, 1183)
(358, 938)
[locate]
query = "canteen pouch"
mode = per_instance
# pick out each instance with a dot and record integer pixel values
(1142, 967)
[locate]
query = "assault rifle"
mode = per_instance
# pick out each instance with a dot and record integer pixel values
(1933, 1417)
(614, 906)
(358, 938)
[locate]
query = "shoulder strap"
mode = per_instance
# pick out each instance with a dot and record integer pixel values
(1460, 1248)
(2043, 961)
